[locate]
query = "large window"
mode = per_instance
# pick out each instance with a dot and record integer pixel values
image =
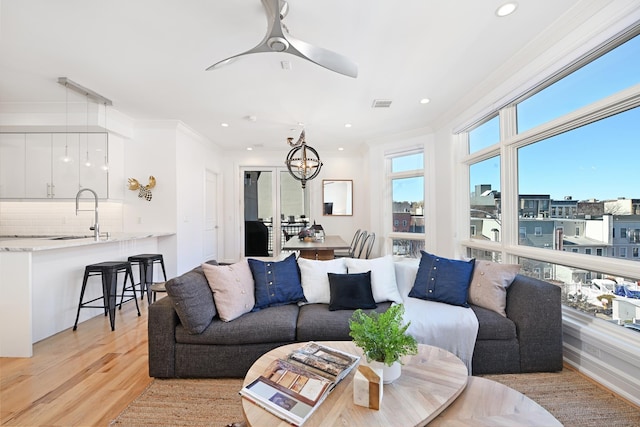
(406, 180)
(571, 209)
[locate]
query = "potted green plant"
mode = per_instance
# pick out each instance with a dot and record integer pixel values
(383, 338)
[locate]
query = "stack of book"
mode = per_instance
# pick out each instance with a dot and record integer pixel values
(293, 387)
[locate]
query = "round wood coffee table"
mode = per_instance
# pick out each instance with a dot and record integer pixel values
(430, 381)
(488, 403)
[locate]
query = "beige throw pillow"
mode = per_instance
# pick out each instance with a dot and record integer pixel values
(489, 285)
(232, 287)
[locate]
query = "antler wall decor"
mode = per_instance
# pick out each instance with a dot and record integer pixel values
(144, 190)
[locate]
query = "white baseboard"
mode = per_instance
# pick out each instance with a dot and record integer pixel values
(607, 353)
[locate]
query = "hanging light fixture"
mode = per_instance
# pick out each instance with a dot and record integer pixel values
(89, 94)
(88, 162)
(105, 166)
(303, 161)
(66, 158)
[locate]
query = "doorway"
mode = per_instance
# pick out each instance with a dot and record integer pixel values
(276, 208)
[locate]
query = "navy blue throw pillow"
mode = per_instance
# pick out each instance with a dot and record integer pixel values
(350, 291)
(276, 282)
(443, 280)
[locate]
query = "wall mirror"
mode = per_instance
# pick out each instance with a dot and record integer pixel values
(337, 197)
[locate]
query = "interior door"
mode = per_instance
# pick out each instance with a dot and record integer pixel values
(275, 208)
(210, 244)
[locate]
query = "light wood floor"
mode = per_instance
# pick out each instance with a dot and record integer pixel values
(81, 378)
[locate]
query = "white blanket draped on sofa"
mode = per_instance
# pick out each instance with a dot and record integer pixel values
(449, 327)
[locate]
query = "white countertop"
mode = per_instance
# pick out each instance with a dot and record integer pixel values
(42, 243)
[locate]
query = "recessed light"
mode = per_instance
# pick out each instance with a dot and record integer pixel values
(347, 125)
(506, 9)
(249, 148)
(425, 101)
(340, 148)
(224, 125)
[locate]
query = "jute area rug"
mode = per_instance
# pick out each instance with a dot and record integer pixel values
(573, 399)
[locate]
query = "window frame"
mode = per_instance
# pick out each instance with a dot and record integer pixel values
(388, 200)
(507, 149)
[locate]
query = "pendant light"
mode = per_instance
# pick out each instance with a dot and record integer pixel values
(105, 166)
(66, 158)
(303, 161)
(87, 162)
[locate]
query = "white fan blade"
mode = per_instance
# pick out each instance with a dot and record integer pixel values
(258, 49)
(323, 57)
(273, 18)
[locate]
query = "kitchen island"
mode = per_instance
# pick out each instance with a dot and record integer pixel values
(41, 278)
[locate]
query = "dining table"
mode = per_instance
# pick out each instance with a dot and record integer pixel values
(317, 249)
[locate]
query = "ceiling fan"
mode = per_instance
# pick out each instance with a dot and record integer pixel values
(278, 39)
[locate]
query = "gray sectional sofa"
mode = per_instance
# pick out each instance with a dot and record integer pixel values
(528, 339)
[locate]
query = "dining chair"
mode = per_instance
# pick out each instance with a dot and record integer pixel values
(352, 248)
(359, 242)
(366, 245)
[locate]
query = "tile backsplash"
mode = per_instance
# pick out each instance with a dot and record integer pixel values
(57, 218)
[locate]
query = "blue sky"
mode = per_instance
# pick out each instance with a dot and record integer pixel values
(600, 160)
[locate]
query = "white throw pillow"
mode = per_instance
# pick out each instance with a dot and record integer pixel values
(314, 278)
(383, 276)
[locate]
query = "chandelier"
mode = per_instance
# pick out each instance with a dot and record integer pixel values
(303, 161)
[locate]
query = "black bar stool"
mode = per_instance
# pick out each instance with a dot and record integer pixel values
(109, 271)
(157, 287)
(145, 265)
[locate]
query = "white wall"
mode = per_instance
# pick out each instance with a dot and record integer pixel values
(177, 157)
(151, 152)
(194, 155)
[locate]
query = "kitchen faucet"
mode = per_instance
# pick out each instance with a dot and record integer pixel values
(96, 227)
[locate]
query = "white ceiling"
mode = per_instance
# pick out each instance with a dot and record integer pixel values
(149, 58)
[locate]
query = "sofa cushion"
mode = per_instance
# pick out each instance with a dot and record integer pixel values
(232, 287)
(276, 282)
(351, 291)
(317, 323)
(492, 326)
(383, 276)
(314, 279)
(489, 285)
(272, 324)
(192, 299)
(443, 280)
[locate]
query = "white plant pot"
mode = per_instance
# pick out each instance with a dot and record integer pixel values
(389, 373)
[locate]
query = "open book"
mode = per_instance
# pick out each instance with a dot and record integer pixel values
(293, 387)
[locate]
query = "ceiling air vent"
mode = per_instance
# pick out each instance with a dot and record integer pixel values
(381, 103)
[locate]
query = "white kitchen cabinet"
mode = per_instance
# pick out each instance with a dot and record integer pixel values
(12, 165)
(38, 184)
(53, 165)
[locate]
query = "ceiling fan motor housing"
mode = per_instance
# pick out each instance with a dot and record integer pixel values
(278, 44)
